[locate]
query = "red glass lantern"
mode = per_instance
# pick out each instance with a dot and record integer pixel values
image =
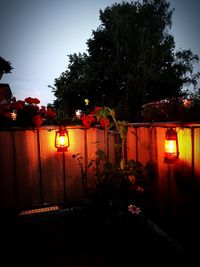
(62, 140)
(171, 152)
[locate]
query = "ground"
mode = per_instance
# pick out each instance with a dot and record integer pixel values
(84, 237)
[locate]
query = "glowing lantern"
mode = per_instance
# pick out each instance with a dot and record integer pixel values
(78, 113)
(62, 140)
(171, 152)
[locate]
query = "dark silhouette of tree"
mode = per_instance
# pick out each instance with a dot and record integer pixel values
(5, 67)
(131, 61)
(71, 88)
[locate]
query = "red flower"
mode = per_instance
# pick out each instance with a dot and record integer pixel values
(87, 120)
(95, 110)
(104, 122)
(50, 113)
(36, 108)
(36, 101)
(37, 120)
(98, 108)
(31, 100)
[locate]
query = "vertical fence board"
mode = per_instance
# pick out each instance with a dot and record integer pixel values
(152, 187)
(163, 176)
(74, 186)
(197, 153)
(143, 145)
(93, 144)
(7, 171)
(112, 147)
(153, 145)
(52, 180)
(196, 193)
(95, 141)
(182, 178)
(185, 149)
(131, 143)
(100, 140)
(27, 170)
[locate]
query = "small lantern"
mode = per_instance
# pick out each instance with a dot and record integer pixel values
(78, 113)
(62, 140)
(171, 152)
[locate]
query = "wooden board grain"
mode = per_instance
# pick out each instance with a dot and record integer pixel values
(27, 168)
(52, 169)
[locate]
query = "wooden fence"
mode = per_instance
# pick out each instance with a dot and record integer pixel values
(175, 191)
(33, 174)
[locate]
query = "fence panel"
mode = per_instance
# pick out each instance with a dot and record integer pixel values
(27, 169)
(7, 171)
(51, 164)
(74, 187)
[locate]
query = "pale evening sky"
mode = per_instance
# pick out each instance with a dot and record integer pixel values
(37, 35)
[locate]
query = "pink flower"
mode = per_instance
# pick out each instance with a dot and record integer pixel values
(134, 209)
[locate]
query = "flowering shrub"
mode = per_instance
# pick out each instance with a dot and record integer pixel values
(99, 116)
(173, 109)
(26, 113)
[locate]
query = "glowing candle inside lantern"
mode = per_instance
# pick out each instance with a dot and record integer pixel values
(170, 146)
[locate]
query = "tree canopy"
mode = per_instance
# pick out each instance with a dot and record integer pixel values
(131, 60)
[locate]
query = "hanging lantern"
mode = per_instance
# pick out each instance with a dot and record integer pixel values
(62, 140)
(171, 152)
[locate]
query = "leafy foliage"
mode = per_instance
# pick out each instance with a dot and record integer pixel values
(114, 187)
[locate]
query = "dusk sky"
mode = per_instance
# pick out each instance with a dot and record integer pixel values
(37, 36)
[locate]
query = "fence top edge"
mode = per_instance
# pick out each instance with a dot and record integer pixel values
(135, 125)
(165, 124)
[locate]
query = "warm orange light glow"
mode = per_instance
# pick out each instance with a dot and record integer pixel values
(171, 152)
(170, 146)
(62, 140)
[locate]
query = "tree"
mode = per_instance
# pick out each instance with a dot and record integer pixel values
(131, 61)
(5, 67)
(71, 88)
